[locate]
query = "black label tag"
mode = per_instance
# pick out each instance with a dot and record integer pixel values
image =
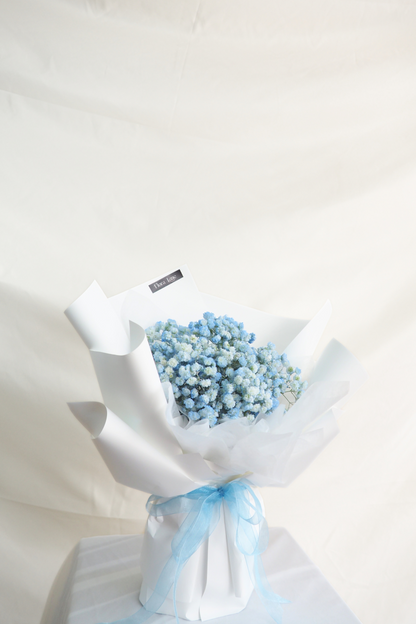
(165, 281)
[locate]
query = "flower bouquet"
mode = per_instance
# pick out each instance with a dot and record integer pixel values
(206, 401)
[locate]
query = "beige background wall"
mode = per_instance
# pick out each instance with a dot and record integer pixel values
(272, 147)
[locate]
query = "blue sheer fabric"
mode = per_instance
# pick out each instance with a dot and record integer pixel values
(203, 507)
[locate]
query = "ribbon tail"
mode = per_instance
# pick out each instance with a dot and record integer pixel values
(271, 601)
(252, 542)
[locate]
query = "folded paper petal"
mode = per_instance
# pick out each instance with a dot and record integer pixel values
(130, 459)
(97, 323)
(336, 363)
(302, 348)
(125, 368)
(131, 388)
(181, 300)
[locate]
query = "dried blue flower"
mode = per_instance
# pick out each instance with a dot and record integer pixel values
(215, 372)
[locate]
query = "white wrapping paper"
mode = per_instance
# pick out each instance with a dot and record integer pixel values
(216, 580)
(148, 445)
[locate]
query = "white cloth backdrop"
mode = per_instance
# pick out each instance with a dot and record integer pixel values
(271, 145)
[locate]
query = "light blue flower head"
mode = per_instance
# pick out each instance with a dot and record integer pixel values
(217, 374)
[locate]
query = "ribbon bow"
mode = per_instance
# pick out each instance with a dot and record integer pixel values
(203, 507)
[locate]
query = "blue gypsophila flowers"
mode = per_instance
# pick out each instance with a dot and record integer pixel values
(217, 374)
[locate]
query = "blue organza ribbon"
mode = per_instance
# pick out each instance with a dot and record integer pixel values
(203, 508)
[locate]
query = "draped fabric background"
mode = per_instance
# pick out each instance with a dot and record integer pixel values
(271, 145)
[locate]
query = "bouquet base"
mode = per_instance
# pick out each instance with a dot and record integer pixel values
(100, 582)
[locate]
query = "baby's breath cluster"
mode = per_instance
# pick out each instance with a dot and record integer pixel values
(215, 372)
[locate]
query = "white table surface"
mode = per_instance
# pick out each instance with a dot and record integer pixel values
(100, 580)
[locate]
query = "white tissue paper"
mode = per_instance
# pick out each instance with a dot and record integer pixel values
(148, 445)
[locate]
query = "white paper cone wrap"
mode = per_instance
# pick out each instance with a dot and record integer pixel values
(148, 445)
(272, 451)
(215, 581)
